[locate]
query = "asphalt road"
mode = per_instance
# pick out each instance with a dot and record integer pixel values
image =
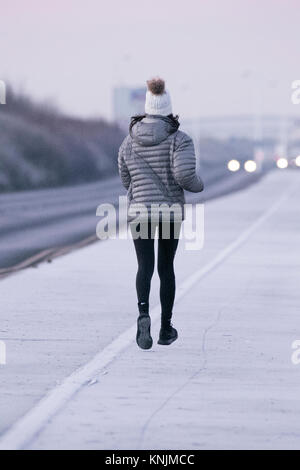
(34, 224)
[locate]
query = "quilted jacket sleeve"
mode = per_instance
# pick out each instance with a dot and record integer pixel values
(123, 170)
(184, 164)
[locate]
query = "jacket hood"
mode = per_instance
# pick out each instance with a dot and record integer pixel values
(151, 130)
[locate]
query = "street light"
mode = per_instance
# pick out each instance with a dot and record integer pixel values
(297, 161)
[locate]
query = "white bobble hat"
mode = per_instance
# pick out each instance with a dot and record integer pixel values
(158, 100)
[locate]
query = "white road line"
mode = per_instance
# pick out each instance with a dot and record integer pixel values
(23, 432)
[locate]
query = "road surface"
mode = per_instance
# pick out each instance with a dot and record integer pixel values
(36, 225)
(75, 379)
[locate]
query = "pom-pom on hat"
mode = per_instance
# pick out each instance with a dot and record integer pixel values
(158, 100)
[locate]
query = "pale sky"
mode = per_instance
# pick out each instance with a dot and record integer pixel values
(218, 57)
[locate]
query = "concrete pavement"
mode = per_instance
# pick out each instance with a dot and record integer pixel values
(227, 383)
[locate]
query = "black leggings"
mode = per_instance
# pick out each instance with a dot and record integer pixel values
(167, 245)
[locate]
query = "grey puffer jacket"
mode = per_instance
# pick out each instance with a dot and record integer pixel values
(156, 163)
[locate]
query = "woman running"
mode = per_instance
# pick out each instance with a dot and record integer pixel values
(156, 163)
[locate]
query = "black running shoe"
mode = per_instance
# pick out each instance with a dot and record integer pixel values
(143, 336)
(167, 335)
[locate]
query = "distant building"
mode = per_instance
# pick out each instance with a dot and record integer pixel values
(128, 102)
(250, 127)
